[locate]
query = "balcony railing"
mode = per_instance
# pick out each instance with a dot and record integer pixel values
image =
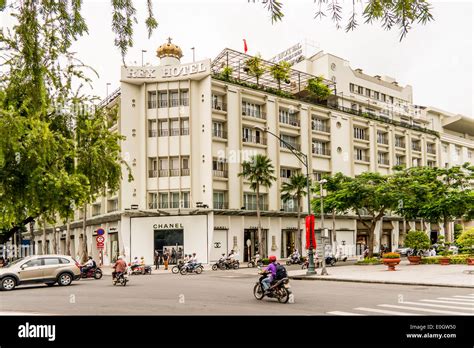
(174, 103)
(220, 106)
(290, 209)
(152, 173)
(185, 172)
(364, 136)
(321, 151)
(152, 104)
(416, 147)
(163, 205)
(174, 172)
(431, 150)
(152, 133)
(219, 134)
(284, 179)
(383, 161)
(184, 131)
(291, 120)
(220, 173)
(318, 127)
(153, 205)
(253, 206)
(400, 144)
(221, 205)
(382, 140)
(163, 132)
(175, 131)
(363, 158)
(162, 104)
(293, 145)
(164, 172)
(184, 101)
(254, 113)
(255, 140)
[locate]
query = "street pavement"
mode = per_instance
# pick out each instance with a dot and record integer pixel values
(231, 292)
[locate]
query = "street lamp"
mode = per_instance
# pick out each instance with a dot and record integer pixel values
(107, 89)
(193, 54)
(323, 232)
(303, 158)
(143, 51)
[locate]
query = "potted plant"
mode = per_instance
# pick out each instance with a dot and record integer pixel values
(466, 242)
(418, 241)
(391, 260)
(444, 260)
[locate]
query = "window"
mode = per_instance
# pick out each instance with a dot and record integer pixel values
(152, 167)
(185, 200)
(469, 154)
(360, 89)
(174, 98)
(184, 166)
(416, 162)
(185, 126)
(163, 128)
(354, 106)
(445, 148)
(286, 172)
(430, 148)
(368, 92)
(320, 148)
(431, 164)
(64, 261)
(351, 87)
(391, 99)
(384, 97)
(250, 136)
(51, 261)
(152, 100)
(184, 100)
(290, 140)
(382, 138)
(219, 168)
(382, 158)
(174, 166)
(400, 141)
(400, 160)
(163, 169)
(361, 155)
(219, 200)
(458, 151)
(376, 95)
(250, 201)
(152, 128)
(33, 263)
(96, 209)
(360, 133)
(163, 200)
(162, 100)
(415, 145)
(152, 200)
(290, 205)
(289, 117)
(112, 205)
(218, 130)
(318, 176)
(252, 109)
(174, 127)
(318, 124)
(174, 200)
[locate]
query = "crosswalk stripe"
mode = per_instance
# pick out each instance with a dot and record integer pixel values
(469, 297)
(437, 305)
(452, 302)
(342, 313)
(455, 299)
(424, 309)
(375, 310)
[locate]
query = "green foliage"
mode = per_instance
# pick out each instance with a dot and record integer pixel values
(259, 171)
(369, 261)
(458, 229)
(318, 89)
(254, 67)
(280, 72)
(454, 259)
(417, 240)
(466, 240)
(226, 73)
(295, 189)
(265, 261)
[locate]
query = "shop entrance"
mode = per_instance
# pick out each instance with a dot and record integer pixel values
(289, 241)
(169, 239)
(252, 235)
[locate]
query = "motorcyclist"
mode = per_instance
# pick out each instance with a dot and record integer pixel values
(135, 264)
(193, 262)
(119, 267)
(271, 269)
(88, 265)
(295, 257)
(230, 258)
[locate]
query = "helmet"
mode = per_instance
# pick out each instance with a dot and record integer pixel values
(90, 257)
(272, 258)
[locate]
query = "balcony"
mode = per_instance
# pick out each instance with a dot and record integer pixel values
(254, 113)
(153, 205)
(216, 133)
(175, 131)
(174, 103)
(431, 150)
(382, 140)
(185, 172)
(253, 206)
(184, 101)
(152, 104)
(289, 209)
(162, 104)
(400, 144)
(255, 140)
(290, 120)
(293, 145)
(383, 161)
(416, 147)
(174, 172)
(361, 137)
(184, 131)
(219, 106)
(285, 180)
(320, 127)
(220, 173)
(163, 172)
(220, 205)
(152, 173)
(362, 158)
(152, 133)
(321, 152)
(163, 205)
(163, 133)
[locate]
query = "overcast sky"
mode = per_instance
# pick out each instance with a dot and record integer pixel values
(436, 59)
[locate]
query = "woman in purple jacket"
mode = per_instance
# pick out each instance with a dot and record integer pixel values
(271, 269)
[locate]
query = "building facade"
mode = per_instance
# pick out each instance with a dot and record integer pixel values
(188, 130)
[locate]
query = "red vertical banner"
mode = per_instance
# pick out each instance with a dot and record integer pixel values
(310, 238)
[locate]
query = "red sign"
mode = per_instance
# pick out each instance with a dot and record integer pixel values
(100, 245)
(100, 239)
(310, 239)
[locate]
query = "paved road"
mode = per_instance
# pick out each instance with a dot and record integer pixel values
(230, 293)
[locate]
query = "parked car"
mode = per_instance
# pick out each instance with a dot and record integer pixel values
(48, 269)
(403, 251)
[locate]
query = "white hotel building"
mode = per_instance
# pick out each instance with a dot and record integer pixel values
(187, 131)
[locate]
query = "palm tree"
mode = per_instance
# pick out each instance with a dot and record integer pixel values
(280, 72)
(295, 190)
(254, 67)
(259, 171)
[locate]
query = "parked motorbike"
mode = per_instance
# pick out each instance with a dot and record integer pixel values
(281, 289)
(305, 263)
(120, 278)
(140, 269)
(191, 269)
(331, 260)
(294, 261)
(252, 263)
(95, 273)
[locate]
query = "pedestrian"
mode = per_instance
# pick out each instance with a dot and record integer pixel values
(166, 258)
(179, 254)
(157, 259)
(173, 255)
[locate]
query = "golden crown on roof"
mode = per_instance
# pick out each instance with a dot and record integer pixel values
(169, 50)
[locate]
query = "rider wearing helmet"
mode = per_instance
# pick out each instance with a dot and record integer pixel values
(271, 269)
(88, 265)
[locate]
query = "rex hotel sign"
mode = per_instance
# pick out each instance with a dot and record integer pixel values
(195, 70)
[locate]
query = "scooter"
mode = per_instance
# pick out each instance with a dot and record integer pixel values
(95, 273)
(120, 278)
(279, 290)
(187, 268)
(331, 260)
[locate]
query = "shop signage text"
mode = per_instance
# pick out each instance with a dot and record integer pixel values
(183, 70)
(141, 73)
(292, 55)
(167, 226)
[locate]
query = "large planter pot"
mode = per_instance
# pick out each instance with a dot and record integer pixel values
(414, 260)
(444, 261)
(391, 263)
(470, 261)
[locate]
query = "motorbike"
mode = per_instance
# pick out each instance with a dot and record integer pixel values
(140, 269)
(252, 263)
(331, 260)
(177, 269)
(95, 273)
(222, 265)
(120, 278)
(305, 263)
(294, 261)
(187, 268)
(280, 289)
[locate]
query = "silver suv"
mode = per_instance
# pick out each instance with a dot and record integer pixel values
(48, 269)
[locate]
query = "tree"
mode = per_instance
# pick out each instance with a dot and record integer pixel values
(466, 240)
(280, 72)
(260, 172)
(418, 241)
(254, 67)
(293, 191)
(318, 89)
(369, 194)
(400, 13)
(226, 73)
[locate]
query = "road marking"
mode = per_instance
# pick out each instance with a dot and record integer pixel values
(437, 305)
(12, 313)
(469, 297)
(342, 313)
(452, 302)
(375, 310)
(455, 299)
(424, 309)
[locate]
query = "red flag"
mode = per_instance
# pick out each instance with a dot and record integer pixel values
(310, 238)
(245, 46)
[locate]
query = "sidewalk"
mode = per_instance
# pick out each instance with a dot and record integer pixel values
(405, 274)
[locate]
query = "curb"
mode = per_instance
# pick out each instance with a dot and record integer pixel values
(378, 282)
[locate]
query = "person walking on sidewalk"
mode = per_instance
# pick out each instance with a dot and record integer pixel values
(166, 257)
(157, 259)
